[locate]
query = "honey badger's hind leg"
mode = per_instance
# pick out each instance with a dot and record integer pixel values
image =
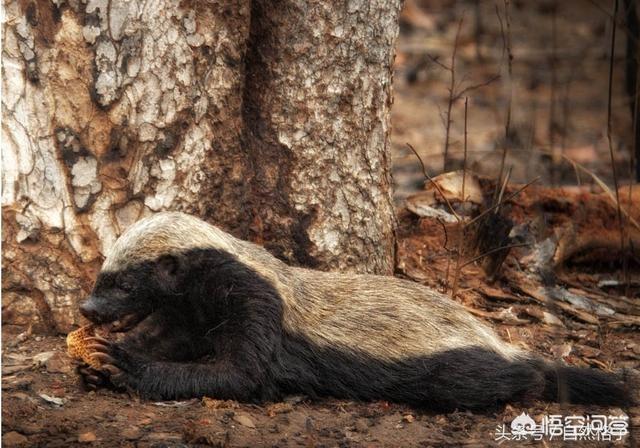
(481, 380)
(469, 378)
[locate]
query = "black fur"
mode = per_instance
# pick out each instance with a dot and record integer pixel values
(214, 327)
(585, 386)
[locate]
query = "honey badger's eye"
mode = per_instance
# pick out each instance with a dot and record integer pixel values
(125, 283)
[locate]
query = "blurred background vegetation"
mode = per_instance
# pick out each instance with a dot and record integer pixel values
(554, 87)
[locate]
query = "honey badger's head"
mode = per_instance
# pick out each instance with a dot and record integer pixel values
(146, 266)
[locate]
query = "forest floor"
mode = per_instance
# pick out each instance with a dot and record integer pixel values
(31, 417)
(588, 317)
(44, 406)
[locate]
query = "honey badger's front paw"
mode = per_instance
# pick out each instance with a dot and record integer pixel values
(91, 378)
(120, 367)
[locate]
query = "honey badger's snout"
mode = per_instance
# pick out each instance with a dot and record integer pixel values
(91, 309)
(100, 311)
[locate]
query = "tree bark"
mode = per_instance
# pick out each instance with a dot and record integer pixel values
(269, 119)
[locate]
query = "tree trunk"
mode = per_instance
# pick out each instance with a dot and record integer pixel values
(267, 119)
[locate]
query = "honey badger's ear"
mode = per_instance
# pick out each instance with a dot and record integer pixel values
(168, 265)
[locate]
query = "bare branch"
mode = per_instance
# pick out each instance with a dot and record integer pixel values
(471, 88)
(435, 184)
(436, 61)
(610, 94)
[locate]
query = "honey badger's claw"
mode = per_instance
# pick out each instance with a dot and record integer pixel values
(108, 364)
(111, 370)
(95, 339)
(91, 382)
(89, 374)
(91, 378)
(99, 348)
(103, 358)
(113, 374)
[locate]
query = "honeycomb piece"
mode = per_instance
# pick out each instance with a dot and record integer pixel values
(77, 345)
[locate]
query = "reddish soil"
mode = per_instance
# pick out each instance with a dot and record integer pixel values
(105, 418)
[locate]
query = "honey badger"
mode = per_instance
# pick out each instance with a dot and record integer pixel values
(205, 313)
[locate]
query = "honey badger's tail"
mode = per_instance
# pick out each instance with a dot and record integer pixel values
(586, 386)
